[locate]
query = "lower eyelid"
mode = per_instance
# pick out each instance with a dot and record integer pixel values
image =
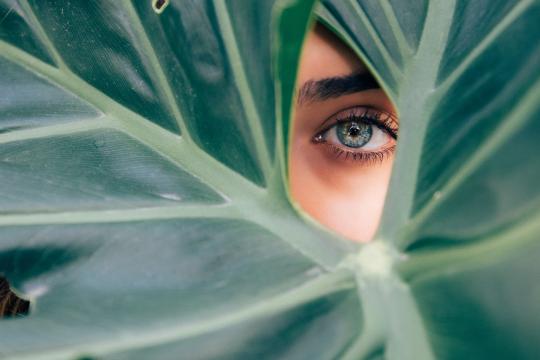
(360, 157)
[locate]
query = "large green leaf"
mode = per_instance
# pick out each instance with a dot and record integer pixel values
(144, 208)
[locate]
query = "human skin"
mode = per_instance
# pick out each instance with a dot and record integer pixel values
(340, 186)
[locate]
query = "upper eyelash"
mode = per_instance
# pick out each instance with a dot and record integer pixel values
(383, 120)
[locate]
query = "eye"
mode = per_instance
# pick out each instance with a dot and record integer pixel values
(359, 134)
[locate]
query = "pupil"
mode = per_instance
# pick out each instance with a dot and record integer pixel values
(354, 130)
(354, 134)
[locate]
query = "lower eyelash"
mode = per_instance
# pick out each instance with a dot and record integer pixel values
(367, 158)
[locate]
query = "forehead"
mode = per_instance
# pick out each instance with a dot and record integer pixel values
(324, 55)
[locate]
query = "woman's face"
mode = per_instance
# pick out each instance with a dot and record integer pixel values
(344, 137)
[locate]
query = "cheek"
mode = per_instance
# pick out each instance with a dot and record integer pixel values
(344, 197)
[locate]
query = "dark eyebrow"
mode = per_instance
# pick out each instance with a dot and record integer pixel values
(319, 90)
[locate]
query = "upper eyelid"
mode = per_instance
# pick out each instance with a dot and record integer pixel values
(333, 119)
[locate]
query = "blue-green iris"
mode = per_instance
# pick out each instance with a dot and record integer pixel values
(354, 134)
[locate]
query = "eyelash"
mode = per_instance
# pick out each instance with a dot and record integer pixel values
(383, 120)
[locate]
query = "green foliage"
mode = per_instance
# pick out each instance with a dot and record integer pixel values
(143, 206)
